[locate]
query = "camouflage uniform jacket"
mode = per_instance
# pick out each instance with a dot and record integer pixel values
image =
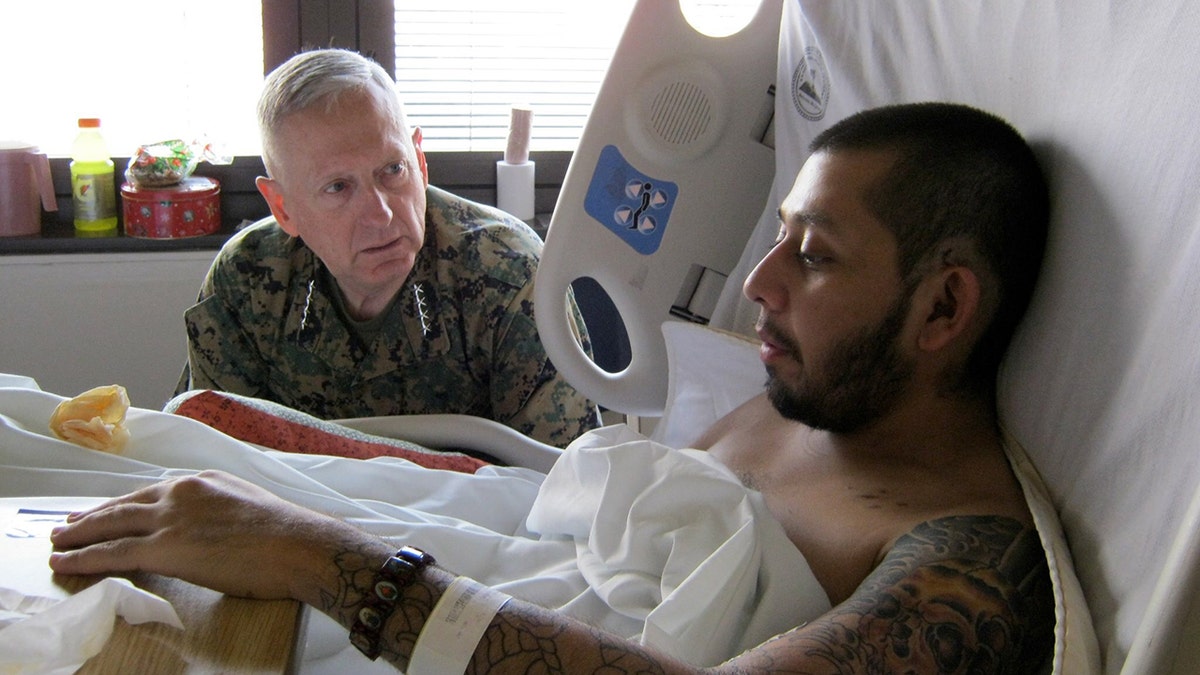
(460, 338)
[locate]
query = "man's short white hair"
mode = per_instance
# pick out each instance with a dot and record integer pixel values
(315, 77)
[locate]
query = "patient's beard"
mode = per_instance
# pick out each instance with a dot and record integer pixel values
(870, 376)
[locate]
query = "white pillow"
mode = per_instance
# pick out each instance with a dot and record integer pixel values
(709, 373)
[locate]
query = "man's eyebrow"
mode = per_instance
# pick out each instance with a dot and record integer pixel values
(805, 218)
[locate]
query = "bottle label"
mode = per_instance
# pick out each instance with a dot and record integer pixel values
(95, 196)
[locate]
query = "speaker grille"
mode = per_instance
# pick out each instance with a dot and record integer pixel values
(680, 113)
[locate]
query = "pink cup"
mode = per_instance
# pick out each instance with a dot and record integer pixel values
(25, 189)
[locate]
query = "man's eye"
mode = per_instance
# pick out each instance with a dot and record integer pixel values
(811, 259)
(394, 176)
(335, 187)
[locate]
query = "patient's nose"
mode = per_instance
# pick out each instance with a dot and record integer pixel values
(761, 285)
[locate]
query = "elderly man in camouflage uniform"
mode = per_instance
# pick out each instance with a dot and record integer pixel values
(371, 292)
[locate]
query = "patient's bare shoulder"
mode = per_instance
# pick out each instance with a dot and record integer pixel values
(751, 415)
(955, 594)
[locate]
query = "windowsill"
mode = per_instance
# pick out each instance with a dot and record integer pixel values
(470, 175)
(61, 238)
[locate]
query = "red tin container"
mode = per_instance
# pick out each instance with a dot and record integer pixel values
(190, 209)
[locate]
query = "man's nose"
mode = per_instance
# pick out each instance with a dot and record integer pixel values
(762, 285)
(376, 210)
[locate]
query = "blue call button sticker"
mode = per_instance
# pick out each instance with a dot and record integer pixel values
(633, 205)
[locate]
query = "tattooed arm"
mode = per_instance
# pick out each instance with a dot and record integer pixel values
(954, 595)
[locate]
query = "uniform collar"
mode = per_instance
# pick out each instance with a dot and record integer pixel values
(413, 331)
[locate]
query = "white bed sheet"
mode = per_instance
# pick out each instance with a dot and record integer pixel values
(628, 553)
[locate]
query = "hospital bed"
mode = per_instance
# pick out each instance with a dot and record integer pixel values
(1102, 385)
(670, 200)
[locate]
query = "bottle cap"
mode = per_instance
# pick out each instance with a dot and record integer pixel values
(89, 122)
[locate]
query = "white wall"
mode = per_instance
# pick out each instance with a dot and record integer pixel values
(77, 321)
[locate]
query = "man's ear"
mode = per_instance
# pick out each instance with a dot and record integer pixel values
(269, 189)
(952, 298)
(417, 137)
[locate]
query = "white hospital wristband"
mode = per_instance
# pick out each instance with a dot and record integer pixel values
(454, 628)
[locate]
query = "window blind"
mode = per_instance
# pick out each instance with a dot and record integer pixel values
(462, 64)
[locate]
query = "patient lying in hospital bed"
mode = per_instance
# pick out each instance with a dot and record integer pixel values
(727, 580)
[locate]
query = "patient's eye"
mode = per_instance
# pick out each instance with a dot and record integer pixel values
(812, 252)
(335, 187)
(811, 260)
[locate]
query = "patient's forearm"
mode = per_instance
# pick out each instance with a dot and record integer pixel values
(527, 638)
(521, 638)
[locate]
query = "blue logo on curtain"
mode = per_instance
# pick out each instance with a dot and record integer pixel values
(633, 205)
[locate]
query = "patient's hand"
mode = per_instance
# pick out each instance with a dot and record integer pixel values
(214, 530)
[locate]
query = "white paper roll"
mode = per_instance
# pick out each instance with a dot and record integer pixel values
(514, 188)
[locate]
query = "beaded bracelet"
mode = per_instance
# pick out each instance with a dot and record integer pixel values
(397, 572)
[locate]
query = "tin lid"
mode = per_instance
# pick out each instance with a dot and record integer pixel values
(190, 186)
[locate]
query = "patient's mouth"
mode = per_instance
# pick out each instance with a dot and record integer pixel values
(774, 345)
(769, 353)
(771, 348)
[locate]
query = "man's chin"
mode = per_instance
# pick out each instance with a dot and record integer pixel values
(809, 410)
(787, 402)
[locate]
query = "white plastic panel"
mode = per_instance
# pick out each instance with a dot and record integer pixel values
(672, 171)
